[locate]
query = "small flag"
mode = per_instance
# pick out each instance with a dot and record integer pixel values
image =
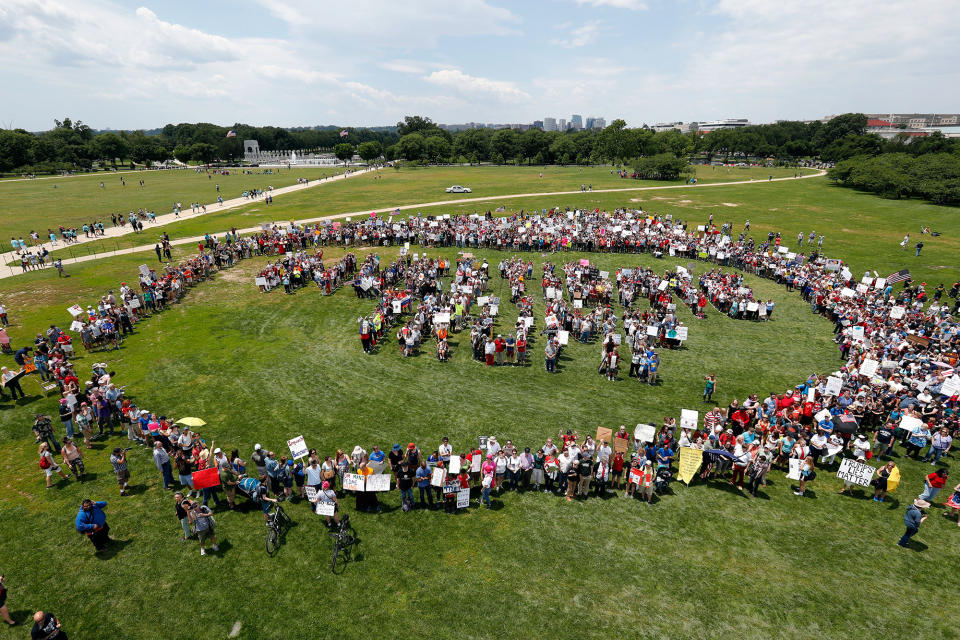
(899, 276)
(231, 134)
(344, 133)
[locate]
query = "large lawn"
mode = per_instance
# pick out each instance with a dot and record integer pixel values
(704, 561)
(40, 204)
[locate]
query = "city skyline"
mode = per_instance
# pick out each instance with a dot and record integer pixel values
(132, 64)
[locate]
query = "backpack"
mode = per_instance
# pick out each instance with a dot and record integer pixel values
(44, 462)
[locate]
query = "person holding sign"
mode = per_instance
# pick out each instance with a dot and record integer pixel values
(423, 484)
(807, 474)
(327, 496)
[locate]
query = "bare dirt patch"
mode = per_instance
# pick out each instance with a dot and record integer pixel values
(731, 204)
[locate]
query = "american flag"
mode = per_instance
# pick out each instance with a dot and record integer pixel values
(231, 134)
(344, 133)
(899, 276)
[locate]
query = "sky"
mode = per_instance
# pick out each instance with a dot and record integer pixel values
(142, 64)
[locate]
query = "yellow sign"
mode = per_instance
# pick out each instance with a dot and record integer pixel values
(690, 461)
(893, 481)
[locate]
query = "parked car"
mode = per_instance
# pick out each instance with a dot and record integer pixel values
(458, 189)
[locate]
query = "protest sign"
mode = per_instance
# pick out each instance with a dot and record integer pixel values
(862, 288)
(563, 337)
(475, 462)
(397, 307)
(378, 482)
(494, 309)
(846, 274)
(682, 333)
(206, 478)
(847, 292)
(856, 333)
(144, 270)
(834, 385)
(888, 364)
(578, 304)
(752, 306)
(823, 414)
(528, 321)
(482, 442)
(832, 265)
(620, 445)
(76, 326)
(463, 498)
(645, 432)
(482, 300)
(439, 477)
(663, 285)
(604, 275)
(260, 282)
(584, 262)
(652, 330)
(311, 493)
(617, 338)
(951, 387)
(75, 310)
(603, 433)
(550, 293)
(869, 367)
(326, 508)
(454, 465)
(636, 476)
(834, 449)
(909, 423)
(811, 394)
(298, 448)
(353, 482)
(441, 318)
(689, 418)
(794, 473)
(855, 472)
(690, 461)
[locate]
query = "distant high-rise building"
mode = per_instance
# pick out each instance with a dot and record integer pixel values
(576, 122)
(549, 124)
(562, 124)
(599, 123)
(589, 122)
(538, 124)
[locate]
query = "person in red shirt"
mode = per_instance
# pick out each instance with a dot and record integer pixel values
(933, 483)
(616, 468)
(499, 346)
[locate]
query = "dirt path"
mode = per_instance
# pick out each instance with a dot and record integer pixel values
(236, 202)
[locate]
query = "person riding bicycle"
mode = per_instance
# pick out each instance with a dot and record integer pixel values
(326, 495)
(256, 489)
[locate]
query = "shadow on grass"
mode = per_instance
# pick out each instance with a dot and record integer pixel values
(113, 548)
(136, 489)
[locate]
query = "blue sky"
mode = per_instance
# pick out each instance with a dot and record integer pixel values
(142, 64)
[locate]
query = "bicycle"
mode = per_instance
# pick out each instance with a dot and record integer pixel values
(277, 522)
(343, 539)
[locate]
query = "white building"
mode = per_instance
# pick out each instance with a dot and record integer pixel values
(549, 124)
(562, 124)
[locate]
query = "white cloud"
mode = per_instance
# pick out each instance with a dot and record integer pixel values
(412, 24)
(635, 5)
(455, 79)
(581, 36)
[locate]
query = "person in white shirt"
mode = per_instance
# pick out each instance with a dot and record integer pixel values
(445, 450)
(603, 452)
(513, 470)
(493, 447)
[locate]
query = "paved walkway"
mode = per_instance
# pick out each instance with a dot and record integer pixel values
(236, 202)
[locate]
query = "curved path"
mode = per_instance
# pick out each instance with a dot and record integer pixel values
(237, 202)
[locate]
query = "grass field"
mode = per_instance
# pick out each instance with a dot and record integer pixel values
(38, 204)
(703, 561)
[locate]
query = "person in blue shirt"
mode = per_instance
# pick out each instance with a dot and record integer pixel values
(92, 522)
(664, 456)
(423, 484)
(377, 456)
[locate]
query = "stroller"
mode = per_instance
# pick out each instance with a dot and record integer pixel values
(664, 475)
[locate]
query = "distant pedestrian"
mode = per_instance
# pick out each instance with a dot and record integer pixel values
(919, 247)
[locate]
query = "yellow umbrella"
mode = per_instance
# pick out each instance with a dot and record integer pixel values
(191, 422)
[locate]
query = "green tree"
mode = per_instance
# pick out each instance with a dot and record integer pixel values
(370, 150)
(343, 152)
(437, 149)
(16, 149)
(564, 150)
(110, 147)
(203, 151)
(616, 142)
(473, 144)
(504, 142)
(411, 147)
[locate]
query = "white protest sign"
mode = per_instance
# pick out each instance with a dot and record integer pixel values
(834, 386)
(144, 270)
(441, 318)
(951, 387)
(752, 306)
(463, 498)
(663, 285)
(855, 472)
(811, 394)
(682, 333)
(563, 337)
(856, 332)
(75, 310)
(494, 309)
(604, 275)
(794, 473)
(879, 283)
(862, 288)
(909, 423)
(475, 463)
(645, 432)
(454, 465)
(298, 448)
(397, 307)
(834, 449)
(260, 281)
(482, 300)
(578, 304)
(378, 482)
(869, 367)
(822, 415)
(326, 508)
(311, 493)
(847, 292)
(897, 312)
(528, 321)
(76, 326)
(439, 477)
(352, 482)
(689, 418)
(653, 331)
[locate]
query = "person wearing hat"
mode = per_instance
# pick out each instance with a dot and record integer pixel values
(913, 518)
(405, 476)
(412, 456)
(259, 459)
(327, 495)
(395, 456)
(119, 461)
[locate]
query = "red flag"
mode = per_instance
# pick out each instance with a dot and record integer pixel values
(205, 479)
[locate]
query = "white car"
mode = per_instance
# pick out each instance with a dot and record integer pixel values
(458, 189)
